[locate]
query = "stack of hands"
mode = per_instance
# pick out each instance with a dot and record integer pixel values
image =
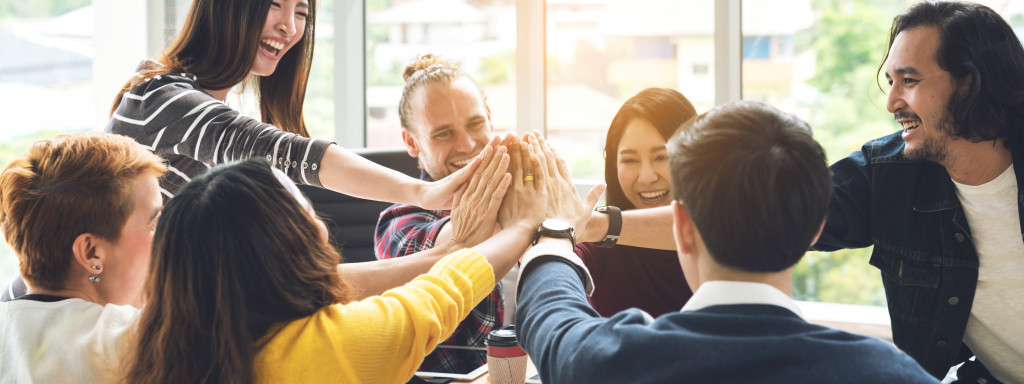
(517, 182)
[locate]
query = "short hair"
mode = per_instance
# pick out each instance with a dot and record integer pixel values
(666, 109)
(755, 183)
(428, 70)
(64, 187)
(975, 41)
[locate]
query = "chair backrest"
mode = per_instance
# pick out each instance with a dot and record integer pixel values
(351, 220)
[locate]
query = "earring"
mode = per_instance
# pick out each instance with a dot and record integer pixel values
(95, 278)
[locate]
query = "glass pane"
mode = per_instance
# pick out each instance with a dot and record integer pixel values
(479, 34)
(318, 108)
(602, 52)
(46, 80)
(817, 59)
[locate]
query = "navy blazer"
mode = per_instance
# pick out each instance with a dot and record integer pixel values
(750, 343)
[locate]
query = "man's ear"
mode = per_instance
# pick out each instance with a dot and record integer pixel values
(963, 85)
(410, 143)
(88, 253)
(683, 228)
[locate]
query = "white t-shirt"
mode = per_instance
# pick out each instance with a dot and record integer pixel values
(67, 341)
(994, 330)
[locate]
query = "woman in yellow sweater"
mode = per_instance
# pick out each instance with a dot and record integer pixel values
(243, 284)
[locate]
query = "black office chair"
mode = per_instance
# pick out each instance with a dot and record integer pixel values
(351, 220)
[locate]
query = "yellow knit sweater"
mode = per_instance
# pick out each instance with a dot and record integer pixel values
(381, 339)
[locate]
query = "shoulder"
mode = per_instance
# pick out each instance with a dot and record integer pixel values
(402, 210)
(168, 82)
(887, 148)
(404, 214)
(158, 92)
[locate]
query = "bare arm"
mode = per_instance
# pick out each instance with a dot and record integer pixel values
(375, 277)
(344, 171)
(648, 228)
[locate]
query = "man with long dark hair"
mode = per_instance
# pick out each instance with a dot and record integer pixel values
(940, 200)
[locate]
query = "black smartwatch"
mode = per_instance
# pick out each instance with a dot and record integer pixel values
(557, 229)
(614, 226)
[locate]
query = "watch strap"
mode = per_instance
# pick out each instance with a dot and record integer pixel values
(614, 226)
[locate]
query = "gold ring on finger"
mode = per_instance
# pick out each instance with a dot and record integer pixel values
(528, 178)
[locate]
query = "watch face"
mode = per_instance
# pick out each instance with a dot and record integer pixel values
(556, 224)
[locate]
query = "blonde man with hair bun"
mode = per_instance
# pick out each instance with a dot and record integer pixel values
(445, 124)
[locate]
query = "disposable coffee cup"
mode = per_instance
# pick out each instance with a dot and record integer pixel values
(506, 361)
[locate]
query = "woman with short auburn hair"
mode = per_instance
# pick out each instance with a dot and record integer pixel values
(79, 211)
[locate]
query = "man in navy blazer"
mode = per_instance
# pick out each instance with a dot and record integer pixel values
(750, 188)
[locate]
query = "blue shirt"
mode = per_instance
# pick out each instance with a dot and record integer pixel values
(909, 211)
(569, 342)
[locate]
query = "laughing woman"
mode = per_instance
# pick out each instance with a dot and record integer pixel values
(175, 105)
(636, 171)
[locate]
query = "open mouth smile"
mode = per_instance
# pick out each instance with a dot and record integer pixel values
(271, 48)
(654, 195)
(461, 163)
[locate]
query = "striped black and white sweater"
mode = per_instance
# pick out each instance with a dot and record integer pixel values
(173, 117)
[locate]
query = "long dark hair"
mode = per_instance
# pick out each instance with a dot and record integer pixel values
(218, 44)
(234, 254)
(666, 109)
(975, 41)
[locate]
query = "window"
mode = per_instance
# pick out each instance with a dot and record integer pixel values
(816, 59)
(479, 35)
(602, 52)
(47, 64)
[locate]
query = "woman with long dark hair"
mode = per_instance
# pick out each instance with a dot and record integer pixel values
(637, 175)
(175, 105)
(243, 285)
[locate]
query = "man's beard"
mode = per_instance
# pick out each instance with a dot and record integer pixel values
(933, 147)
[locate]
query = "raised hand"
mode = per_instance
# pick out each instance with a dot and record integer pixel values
(438, 195)
(475, 206)
(527, 199)
(563, 201)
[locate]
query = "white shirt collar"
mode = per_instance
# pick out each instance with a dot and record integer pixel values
(713, 293)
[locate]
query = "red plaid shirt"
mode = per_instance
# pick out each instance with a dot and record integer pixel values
(406, 229)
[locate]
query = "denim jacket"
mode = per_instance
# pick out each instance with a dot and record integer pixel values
(910, 212)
